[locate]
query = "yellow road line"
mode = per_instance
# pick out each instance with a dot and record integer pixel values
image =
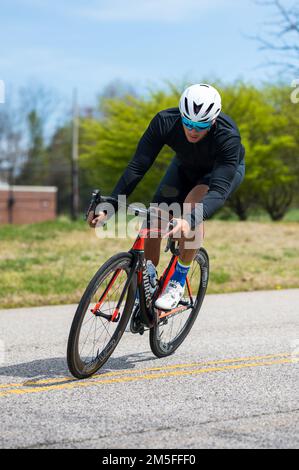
(138, 371)
(87, 383)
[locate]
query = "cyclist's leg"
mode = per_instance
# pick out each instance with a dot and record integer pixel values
(196, 195)
(152, 245)
(174, 292)
(188, 247)
(172, 190)
(238, 179)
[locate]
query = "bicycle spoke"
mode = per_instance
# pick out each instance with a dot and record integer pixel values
(96, 331)
(86, 337)
(174, 325)
(102, 331)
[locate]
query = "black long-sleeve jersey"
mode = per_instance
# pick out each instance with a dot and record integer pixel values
(218, 153)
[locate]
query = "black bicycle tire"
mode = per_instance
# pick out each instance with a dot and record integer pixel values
(72, 350)
(155, 344)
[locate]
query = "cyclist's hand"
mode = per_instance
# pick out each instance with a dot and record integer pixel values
(96, 221)
(181, 229)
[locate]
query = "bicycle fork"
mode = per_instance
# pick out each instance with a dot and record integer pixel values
(115, 316)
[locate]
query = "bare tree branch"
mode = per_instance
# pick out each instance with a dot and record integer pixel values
(283, 37)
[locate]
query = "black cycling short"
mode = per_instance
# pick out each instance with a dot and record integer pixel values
(175, 185)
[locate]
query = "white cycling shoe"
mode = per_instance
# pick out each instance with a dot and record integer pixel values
(170, 297)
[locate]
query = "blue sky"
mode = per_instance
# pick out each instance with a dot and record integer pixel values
(85, 44)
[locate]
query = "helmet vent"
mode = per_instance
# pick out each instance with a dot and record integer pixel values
(197, 108)
(199, 103)
(208, 110)
(186, 105)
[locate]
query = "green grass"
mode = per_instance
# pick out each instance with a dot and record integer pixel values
(220, 277)
(41, 231)
(52, 262)
(256, 216)
(291, 253)
(292, 216)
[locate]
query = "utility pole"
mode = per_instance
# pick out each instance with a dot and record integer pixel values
(7, 168)
(11, 199)
(75, 172)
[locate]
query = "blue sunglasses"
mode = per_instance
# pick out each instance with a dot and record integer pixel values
(198, 126)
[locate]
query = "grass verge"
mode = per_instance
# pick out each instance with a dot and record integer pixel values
(51, 263)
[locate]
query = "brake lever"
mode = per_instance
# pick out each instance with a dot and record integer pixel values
(170, 246)
(95, 200)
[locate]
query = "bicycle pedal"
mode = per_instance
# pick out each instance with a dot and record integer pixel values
(136, 328)
(135, 323)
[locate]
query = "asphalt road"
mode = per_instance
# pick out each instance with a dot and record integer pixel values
(232, 384)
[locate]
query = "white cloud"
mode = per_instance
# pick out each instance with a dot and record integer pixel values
(148, 10)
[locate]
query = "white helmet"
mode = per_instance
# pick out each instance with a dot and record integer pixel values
(200, 103)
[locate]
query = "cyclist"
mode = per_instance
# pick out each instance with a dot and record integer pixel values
(207, 168)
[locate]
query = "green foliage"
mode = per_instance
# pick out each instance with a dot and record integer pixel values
(267, 119)
(106, 146)
(268, 124)
(264, 117)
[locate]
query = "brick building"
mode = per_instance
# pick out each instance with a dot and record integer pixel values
(27, 204)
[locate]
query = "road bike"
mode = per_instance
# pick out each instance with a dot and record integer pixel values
(109, 302)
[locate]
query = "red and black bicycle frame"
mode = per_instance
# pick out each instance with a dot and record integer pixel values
(148, 315)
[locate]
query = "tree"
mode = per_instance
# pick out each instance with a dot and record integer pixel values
(59, 166)
(267, 126)
(12, 152)
(279, 97)
(107, 145)
(268, 129)
(35, 167)
(117, 88)
(36, 109)
(254, 117)
(278, 181)
(282, 35)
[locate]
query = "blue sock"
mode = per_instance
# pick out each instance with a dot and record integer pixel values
(180, 273)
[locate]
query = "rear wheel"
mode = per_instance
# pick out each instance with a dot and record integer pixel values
(170, 332)
(97, 326)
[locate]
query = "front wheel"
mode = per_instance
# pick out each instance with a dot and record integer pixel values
(98, 326)
(170, 331)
